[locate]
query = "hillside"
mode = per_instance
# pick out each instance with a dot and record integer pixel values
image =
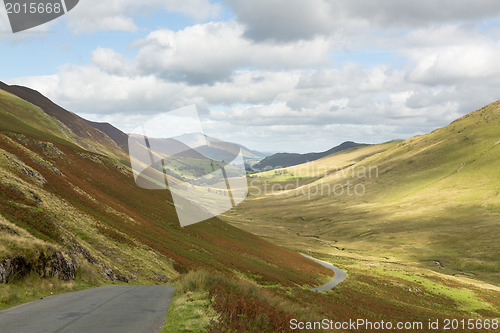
(120, 138)
(433, 199)
(73, 218)
(73, 213)
(101, 137)
(407, 219)
(280, 160)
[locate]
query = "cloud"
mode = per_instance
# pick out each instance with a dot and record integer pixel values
(111, 62)
(331, 105)
(451, 54)
(287, 20)
(387, 13)
(269, 79)
(118, 15)
(284, 20)
(211, 52)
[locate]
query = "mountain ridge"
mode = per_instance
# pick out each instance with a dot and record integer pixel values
(102, 133)
(280, 160)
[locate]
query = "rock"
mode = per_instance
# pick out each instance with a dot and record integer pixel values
(35, 197)
(4, 228)
(14, 269)
(91, 157)
(61, 267)
(31, 173)
(49, 149)
(3, 274)
(77, 248)
(162, 278)
(110, 275)
(54, 265)
(121, 278)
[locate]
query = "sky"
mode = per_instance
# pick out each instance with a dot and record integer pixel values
(273, 75)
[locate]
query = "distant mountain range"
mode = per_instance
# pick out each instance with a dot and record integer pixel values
(281, 160)
(196, 140)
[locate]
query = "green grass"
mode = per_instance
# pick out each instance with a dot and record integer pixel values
(34, 287)
(190, 312)
(191, 309)
(416, 211)
(432, 197)
(374, 289)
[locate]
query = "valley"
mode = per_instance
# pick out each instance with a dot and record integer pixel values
(427, 213)
(416, 236)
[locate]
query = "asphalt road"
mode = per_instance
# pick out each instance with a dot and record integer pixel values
(107, 309)
(340, 275)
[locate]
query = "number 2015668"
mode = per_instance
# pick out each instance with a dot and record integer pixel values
(34, 8)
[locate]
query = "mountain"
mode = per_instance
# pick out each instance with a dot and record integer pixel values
(120, 138)
(196, 140)
(71, 211)
(93, 136)
(281, 160)
(434, 198)
(72, 217)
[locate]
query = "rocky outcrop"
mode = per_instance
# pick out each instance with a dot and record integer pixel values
(78, 250)
(113, 276)
(3, 274)
(28, 171)
(14, 268)
(53, 265)
(49, 149)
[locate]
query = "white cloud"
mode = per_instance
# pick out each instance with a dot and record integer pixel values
(118, 15)
(212, 52)
(269, 80)
(284, 20)
(451, 54)
(111, 62)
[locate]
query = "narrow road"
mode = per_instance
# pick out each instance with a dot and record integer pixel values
(107, 309)
(340, 275)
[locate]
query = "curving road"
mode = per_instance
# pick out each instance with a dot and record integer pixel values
(340, 275)
(107, 309)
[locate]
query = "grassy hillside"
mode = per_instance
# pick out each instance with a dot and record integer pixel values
(433, 198)
(72, 218)
(61, 204)
(96, 137)
(421, 214)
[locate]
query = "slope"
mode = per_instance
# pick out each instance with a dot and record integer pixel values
(64, 205)
(72, 218)
(120, 138)
(432, 200)
(280, 160)
(91, 136)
